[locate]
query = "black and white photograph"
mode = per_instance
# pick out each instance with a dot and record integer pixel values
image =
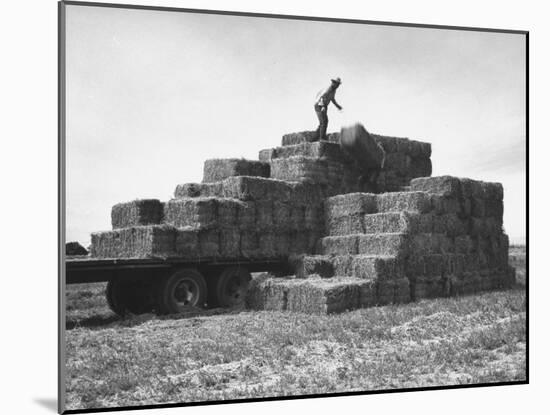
(264, 206)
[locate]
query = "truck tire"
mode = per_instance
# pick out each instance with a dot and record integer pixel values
(183, 289)
(231, 287)
(128, 296)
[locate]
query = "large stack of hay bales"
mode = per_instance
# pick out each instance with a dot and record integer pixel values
(351, 243)
(403, 246)
(324, 163)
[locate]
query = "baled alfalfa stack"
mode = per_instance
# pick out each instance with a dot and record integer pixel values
(229, 243)
(404, 201)
(344, 213)
(339, 245)
(376, 268)
(135, 242)
(187, 243)
(388, 244)
(216, 170)
(136, 213)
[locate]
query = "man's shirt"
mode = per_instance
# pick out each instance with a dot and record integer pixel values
(325, 96)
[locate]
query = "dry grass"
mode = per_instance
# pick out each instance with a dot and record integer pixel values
(244, 354)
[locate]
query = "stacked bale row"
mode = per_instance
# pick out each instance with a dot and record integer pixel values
(216, 170)
(239, 217)
(323, 162)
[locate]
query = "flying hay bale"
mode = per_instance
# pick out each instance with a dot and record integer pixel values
(359, 145)
(216, 170)
(136, 213)
(198, 212)
(74, 248)
(136, 242)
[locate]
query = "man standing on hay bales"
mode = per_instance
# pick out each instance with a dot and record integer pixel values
(324, 98)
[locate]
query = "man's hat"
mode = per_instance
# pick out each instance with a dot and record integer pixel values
(337, 81)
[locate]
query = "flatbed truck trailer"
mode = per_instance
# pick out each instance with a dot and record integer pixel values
(169, 285)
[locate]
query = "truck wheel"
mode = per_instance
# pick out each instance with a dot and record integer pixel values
(116, 296)
(231, 287)
(183, 289)
(124, 296)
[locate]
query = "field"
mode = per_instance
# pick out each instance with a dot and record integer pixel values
(242, 354)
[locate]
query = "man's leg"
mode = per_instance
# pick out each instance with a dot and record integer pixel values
(323, 124)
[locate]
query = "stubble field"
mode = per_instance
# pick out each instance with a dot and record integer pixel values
(246, 354)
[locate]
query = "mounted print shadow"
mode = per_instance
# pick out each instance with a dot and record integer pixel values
(272, 207)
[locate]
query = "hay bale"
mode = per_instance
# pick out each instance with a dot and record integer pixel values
(350, 204)
(187, 243)
(317, 150)
(299, 243)
(494, 208)
(299, 168)
(434, 264)
(484, 226)
(188, 190)
(323, 296)
(492, 191)
(314, 217)
(478, 207)
(305, 193)
(339, 245)
(398, 201)
(281, 216)
(148, 241)
(216, 170)
(359, 145)
(443, 185)
(250, 245)
(230, 243)
(264, 215)
(389, 144)
(246, 215)
(198, 212)
(398, 162)
(395, 244)
(299, 138)
(382, 223)
(255, 188)
(74, 248)
(137, 213)
(342, 265)
(266, 155)
(227, 211)
(377, 267)
(305, 265)
(442, 205)
(209, 243)
(265, 293)
(463, 244)
(296, 217)
(449, 224)
(428, 287)
(345, 225)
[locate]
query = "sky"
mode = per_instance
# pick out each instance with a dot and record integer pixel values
(150, 95)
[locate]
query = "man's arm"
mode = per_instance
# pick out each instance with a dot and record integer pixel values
(335, 103)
